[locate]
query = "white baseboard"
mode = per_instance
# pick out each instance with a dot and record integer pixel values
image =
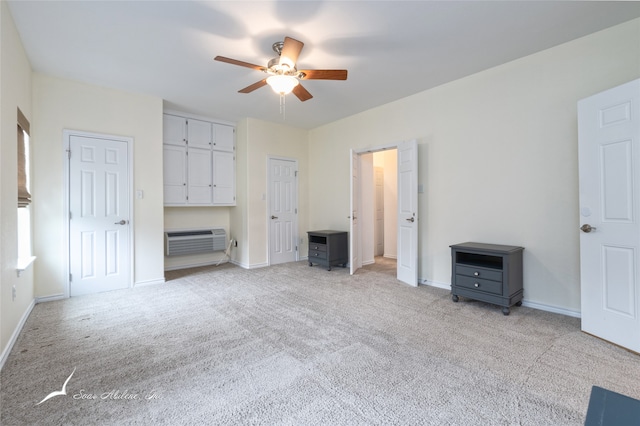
(192, 265)
(551, 308)
(149, 282)
(525, 302)
(51, 298)
(446, 286)
(249, 266)
(16, 333)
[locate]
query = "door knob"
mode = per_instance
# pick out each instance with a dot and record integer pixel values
(587, 228)
(274, 217)
(122, 222)
(411, 219)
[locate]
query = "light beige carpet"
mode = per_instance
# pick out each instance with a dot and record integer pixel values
(295, 345)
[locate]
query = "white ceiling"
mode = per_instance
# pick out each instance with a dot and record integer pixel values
(392, 49)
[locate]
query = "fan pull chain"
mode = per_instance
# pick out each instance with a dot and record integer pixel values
(282, 106)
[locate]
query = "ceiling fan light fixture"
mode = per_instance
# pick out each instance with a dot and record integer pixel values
(282, 84)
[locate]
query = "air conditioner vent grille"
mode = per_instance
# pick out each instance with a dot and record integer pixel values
(195, 241)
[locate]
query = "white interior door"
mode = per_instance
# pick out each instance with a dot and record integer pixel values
(609, 158)
(407, 264)
(99, 202)
(283, 211)
(355, 261)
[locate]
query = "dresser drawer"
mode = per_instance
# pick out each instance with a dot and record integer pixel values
(317, 254)
(486, 273)
(317, 247)
(486, 286)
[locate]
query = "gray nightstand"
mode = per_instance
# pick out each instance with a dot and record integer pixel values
(487, 272)
(328, 248)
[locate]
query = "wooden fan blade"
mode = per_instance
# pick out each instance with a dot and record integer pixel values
(290, 51)
(241, 63)
(323, 74)
(254, 86)
(302, 93)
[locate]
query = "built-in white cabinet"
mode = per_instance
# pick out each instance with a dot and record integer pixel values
(199, 162)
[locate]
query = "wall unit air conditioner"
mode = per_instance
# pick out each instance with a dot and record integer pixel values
(178, 243)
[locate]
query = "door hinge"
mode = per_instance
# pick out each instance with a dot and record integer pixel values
(69, 154)
(296, 248)
(296, 211)
(70, 277)
(295, 173)
(70, 215)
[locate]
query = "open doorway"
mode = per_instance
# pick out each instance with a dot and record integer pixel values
(379, 197)
(361, 244)
(361, 229)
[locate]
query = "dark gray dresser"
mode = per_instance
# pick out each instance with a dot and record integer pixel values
(490, 273)
(328, 248)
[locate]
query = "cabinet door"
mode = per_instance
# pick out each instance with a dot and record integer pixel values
(224, 178)
(199, 170)
(175, 174)
(223, 137)
(174, 130)
(199, 133)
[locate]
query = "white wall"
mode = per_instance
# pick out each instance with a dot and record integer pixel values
(15, 92)
(256, 141)
(497, 157)
(60, 104)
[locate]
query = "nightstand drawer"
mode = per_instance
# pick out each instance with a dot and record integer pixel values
(486, 273)
(316, 254)
(317, 247)
(486, 286)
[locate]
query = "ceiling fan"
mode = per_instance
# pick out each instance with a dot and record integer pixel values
(284, 77)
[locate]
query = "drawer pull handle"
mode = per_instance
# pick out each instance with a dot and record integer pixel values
(476, 274)
(316, 254)
(476, 284)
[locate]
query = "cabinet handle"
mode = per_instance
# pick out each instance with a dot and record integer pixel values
(316, 254)
(476, 274)
(476, 284)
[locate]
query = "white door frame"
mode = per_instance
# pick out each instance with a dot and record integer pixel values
(296, 236)
(66, 137)
(358, 153)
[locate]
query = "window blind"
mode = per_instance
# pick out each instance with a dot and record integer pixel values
(24, 197)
